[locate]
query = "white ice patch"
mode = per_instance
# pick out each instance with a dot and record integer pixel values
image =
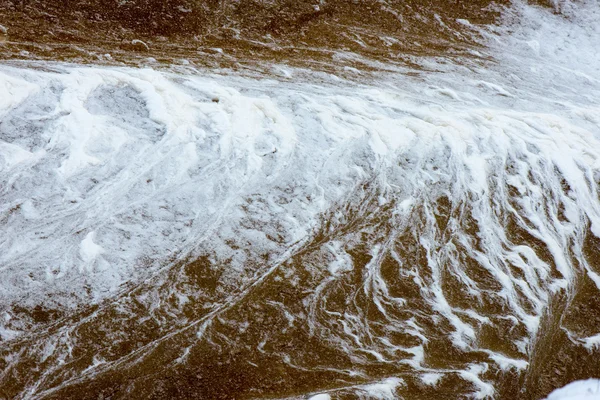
(507, 363)
(579, 390)
(384, 390)
(431, 379)
(11, 155)
(88, 250)
(342, 261)
(484, 390)
(321, 396)
(14, 91)
(591, 342)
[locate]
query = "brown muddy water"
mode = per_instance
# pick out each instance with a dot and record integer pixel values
(281, 200)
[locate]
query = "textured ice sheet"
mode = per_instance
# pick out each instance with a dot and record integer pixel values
(109, 175)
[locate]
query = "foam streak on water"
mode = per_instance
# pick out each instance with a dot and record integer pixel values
(169, 234)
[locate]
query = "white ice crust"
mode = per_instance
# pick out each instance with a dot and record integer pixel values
(588, 389)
